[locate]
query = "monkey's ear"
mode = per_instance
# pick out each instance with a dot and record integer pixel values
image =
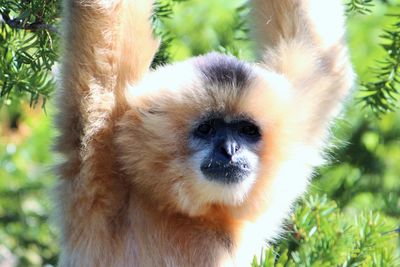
(137, 43)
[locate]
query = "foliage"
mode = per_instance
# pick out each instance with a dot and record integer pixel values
(25, 184)
(320, 235)
(382, 94)
(365, 170)
(353, 206)
(163, 9)
(28, 48)
(359, 6)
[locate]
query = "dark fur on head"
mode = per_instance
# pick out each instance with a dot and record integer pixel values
(222, 71)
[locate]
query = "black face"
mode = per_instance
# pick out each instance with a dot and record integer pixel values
(232, 147)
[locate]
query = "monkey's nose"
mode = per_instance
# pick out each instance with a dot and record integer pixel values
(229, 148)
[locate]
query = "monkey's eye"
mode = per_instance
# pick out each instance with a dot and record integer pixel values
(250, 130)
(205, 129)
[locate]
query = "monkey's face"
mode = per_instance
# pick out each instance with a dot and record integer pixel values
(226, 151)
(225, 156)
(203, 133)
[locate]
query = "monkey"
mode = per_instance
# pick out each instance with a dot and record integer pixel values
(195, 163)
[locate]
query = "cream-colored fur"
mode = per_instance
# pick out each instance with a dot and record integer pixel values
(130, 193)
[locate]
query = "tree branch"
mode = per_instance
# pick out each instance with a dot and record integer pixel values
(20, 24)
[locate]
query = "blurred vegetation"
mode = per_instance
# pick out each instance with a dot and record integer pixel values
(351, 216)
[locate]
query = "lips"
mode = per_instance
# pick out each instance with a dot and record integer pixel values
(226, 173)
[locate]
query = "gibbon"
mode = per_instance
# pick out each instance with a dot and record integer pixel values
(195, 163)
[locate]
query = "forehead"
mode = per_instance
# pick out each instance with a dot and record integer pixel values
(219, 71)
(239, 89)
(213, 81)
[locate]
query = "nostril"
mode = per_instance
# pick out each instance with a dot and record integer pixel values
(236, 148)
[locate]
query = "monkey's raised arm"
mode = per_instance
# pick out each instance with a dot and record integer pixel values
(305, 41)
(107, 44)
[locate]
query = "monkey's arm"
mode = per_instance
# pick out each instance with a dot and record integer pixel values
(305, 41)
(107, 44)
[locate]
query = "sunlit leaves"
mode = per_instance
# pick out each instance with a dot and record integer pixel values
(28, 48)
(382, 93)
(359, 6)
(320, 235)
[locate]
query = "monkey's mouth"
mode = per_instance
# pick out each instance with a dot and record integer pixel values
(231, 173)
